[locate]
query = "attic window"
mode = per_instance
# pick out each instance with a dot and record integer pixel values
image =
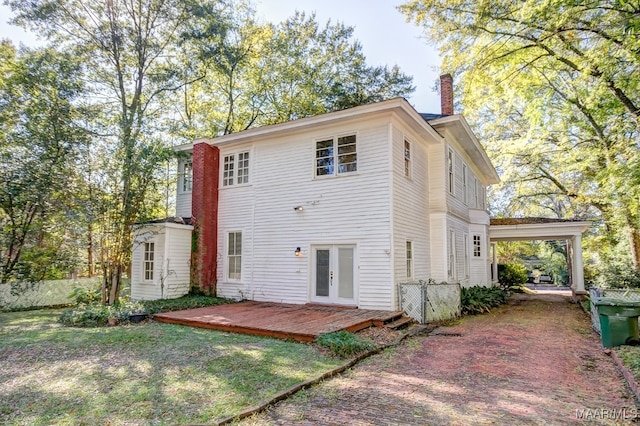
(336, 156)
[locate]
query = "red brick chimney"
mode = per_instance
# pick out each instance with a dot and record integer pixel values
(446, 94)
(204, 217)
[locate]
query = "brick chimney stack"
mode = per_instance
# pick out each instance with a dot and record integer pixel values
(446, 94)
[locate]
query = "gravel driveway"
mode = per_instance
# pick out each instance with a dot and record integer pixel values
(533, 361)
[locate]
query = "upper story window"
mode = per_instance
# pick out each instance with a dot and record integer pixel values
(235, 169)
(450, 171)
(465, 196)
(149, 253)
(407, 158)
(187, 177)
(336, 156)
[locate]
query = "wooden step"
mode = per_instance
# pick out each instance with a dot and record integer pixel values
(400, 323)
(389, 318)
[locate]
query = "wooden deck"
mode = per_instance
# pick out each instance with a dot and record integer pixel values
(299, 322)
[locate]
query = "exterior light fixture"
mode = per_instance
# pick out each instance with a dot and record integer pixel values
(298, 208)
(298, 252)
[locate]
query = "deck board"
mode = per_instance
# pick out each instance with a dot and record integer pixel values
(284, 321)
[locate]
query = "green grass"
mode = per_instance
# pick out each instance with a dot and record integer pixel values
(142, 374)
(344, 344)
(630, 356)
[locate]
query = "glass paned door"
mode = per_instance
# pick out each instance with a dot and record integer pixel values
(334, 274)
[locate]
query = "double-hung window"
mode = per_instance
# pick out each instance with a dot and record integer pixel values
(451, 251)
(465, 196)
(407, 158)
(450, 170)
(234, 255)
(409, 250)
(235, 169)
(187, 177)
(149, 253)
(336, 156)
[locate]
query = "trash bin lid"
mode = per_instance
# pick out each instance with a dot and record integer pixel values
(611, 301)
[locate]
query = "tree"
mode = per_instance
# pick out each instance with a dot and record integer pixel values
(128, 47)
(40, 139)
(259, 74)
(552, 87)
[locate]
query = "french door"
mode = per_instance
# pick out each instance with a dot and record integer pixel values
(334, 275)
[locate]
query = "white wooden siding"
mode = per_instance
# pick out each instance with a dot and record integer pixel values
(172, 251)
(348, 209)
(410, 207)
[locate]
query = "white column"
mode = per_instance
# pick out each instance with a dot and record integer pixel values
(577, 270)
(494, 261)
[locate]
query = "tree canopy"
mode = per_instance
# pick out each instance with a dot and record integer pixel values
(553, 88)
(146, 75)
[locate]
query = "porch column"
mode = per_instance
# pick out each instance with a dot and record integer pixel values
(577, 269)
(494, 262)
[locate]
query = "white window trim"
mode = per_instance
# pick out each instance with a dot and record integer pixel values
(183, 174)
(408, 247)
(478, 238)
(451, 172)
(236, 159)
(467, 257)
(336, 172)
(465, 173)
(146, 261)
(227, 256)
(451, 255)
(408, 160)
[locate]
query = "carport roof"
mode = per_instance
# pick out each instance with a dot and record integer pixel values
(535, 228)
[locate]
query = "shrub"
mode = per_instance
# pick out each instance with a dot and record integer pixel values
(344, 344)
(512, 274)
(95, 314)
(184, 302)
(480, 299)
(619, 276)
(84, 296)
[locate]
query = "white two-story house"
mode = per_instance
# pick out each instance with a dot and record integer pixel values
(338, 208)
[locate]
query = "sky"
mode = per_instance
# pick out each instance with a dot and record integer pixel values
(385, 36)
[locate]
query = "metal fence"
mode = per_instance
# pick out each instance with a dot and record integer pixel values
(626, 294)
(428, 302)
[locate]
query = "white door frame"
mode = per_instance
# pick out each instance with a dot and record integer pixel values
(334, 297)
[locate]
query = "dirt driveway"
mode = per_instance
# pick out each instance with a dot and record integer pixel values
(534, 361)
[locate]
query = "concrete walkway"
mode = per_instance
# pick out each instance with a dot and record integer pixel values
(533, 361)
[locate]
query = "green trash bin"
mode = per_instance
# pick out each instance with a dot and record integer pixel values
(618, 321)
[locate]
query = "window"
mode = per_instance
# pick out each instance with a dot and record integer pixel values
(187, 177)
(466, 256)
(476, 199)
(234, 255)
(243, 168)
(407, 158)
(409, 249)
(451, 247)
(149, 251)
(450, 167)
(477, 246)
(464, 184)
(336, 156)
(235, 169)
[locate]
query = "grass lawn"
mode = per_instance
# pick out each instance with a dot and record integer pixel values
(141, 374)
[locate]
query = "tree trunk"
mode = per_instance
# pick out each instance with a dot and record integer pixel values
(634, 243)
